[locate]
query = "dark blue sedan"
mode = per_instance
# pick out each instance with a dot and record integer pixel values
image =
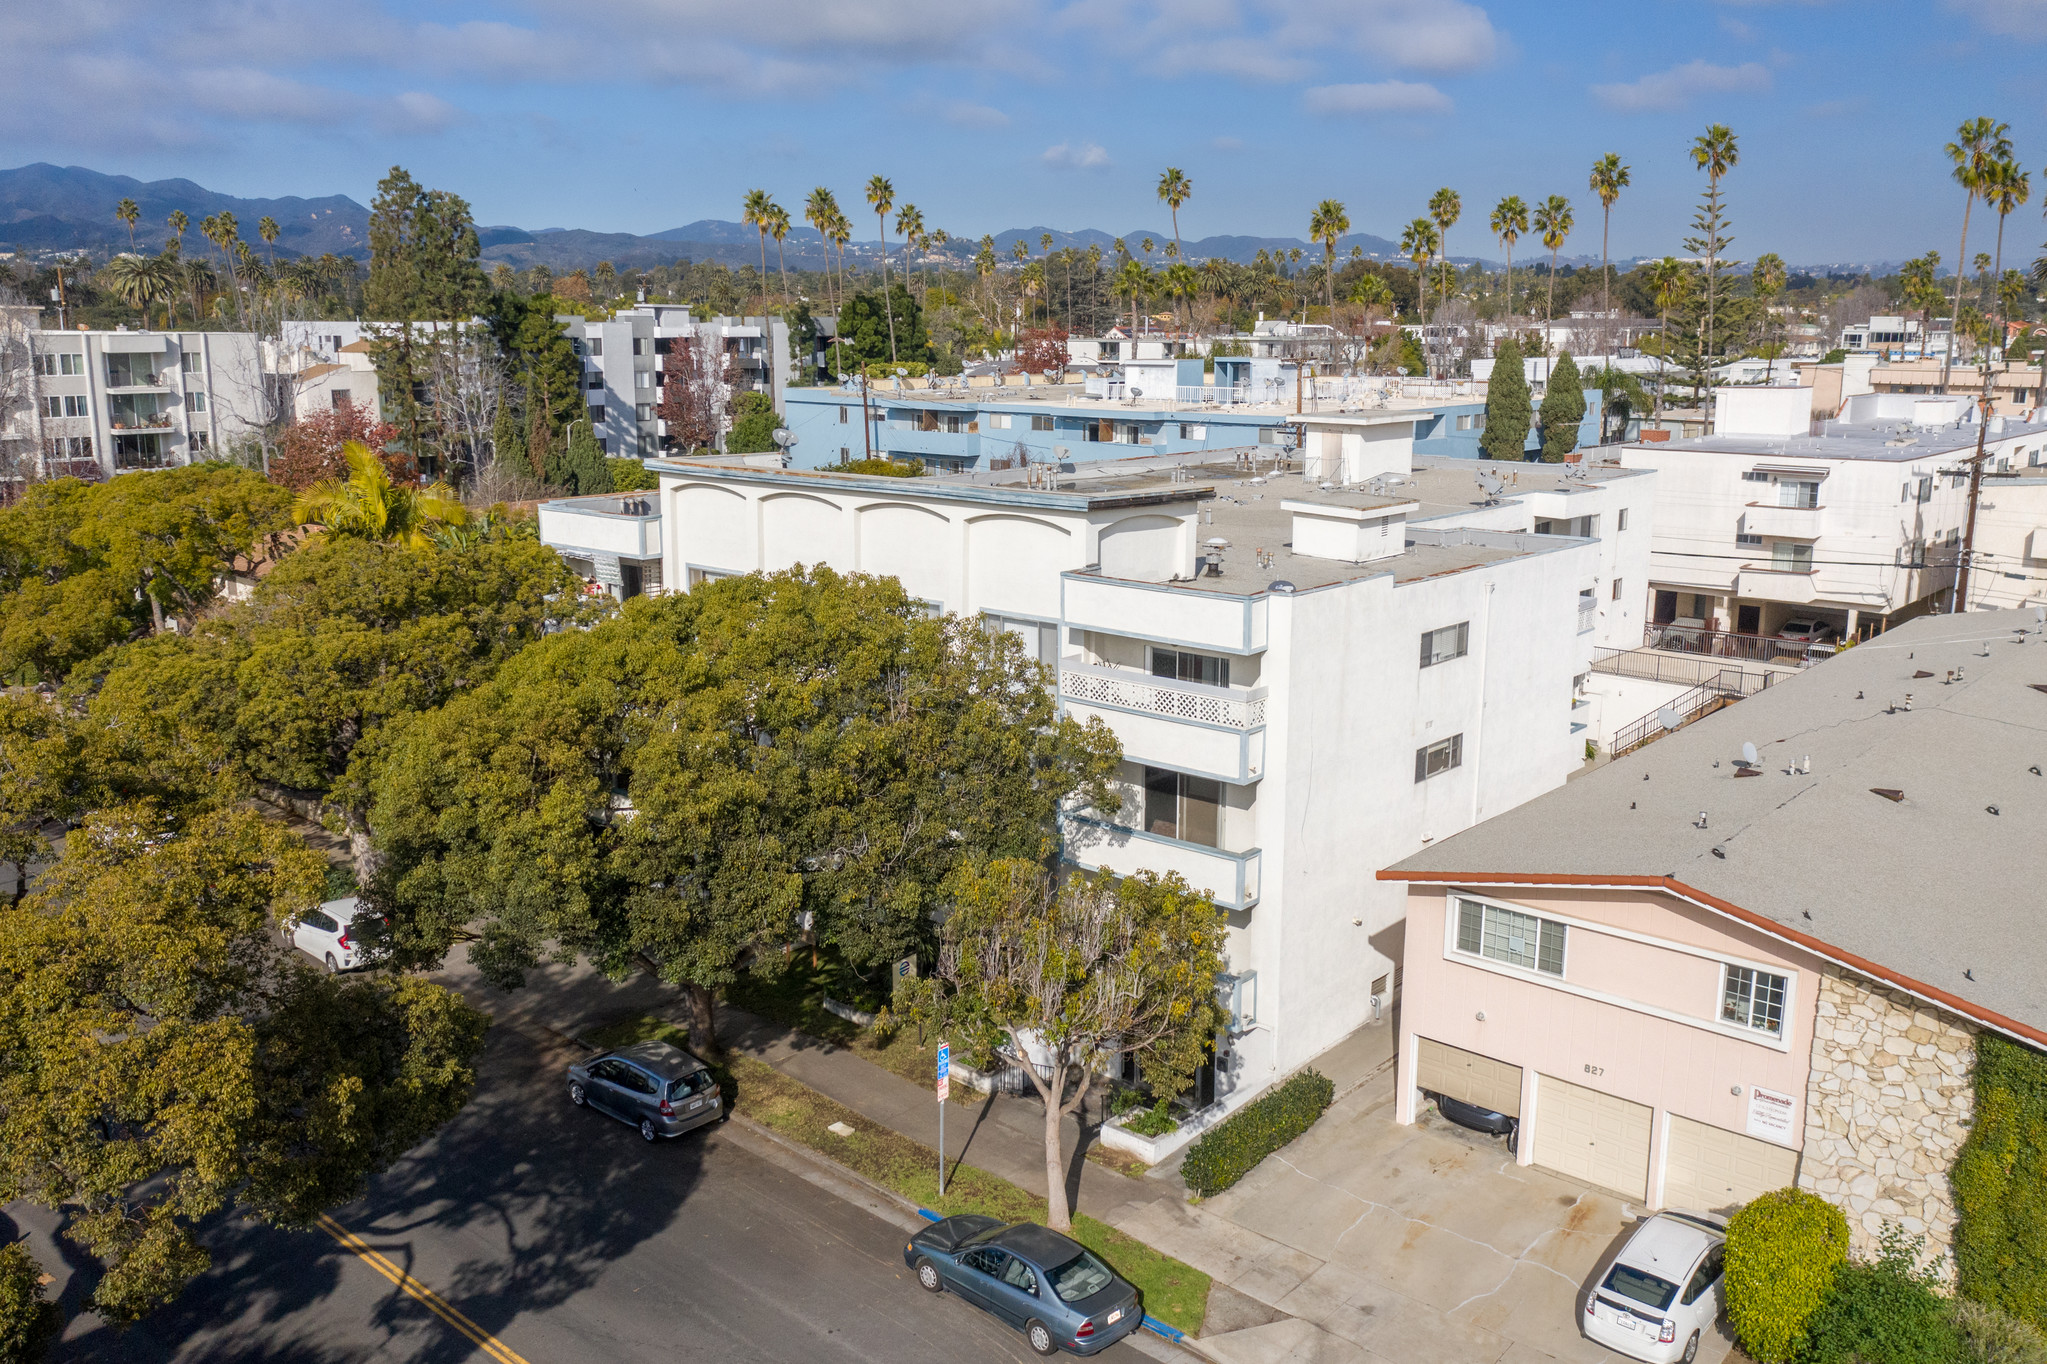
(1052, 1287)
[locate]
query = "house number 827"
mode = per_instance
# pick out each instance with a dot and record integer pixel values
(1595, 1070)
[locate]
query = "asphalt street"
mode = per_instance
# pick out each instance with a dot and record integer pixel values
(561, 1238)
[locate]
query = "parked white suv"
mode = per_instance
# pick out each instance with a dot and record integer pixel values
(1663, 1294)
(329, 934)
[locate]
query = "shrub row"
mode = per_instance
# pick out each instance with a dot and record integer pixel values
(1233, 1147)
(2000, 1183)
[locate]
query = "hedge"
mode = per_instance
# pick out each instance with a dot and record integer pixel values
(2000, 1183)
(1233, 1147)
(1784, 1251)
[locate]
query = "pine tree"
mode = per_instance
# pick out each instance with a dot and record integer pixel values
(1563, 408)
(1506, 407)
(506, 433)
(579, 465)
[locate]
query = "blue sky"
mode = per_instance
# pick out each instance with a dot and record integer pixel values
(639, 115)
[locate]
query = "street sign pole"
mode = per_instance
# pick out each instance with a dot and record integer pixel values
(944, 1087)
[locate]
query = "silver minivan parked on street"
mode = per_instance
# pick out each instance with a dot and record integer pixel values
(656, 1086)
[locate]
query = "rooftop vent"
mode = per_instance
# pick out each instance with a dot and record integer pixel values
(1890, 793)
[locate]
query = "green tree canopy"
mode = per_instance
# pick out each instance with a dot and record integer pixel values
(578, 465)
(163, 1056)
(84, 566)
(538, 354)
(367, 505)
(684, 780)
(753, 424)
(864, 326)
(1563, 408)
(423, 255)
(1506, 406)
(1072, 974)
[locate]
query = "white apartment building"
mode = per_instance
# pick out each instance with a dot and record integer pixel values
(1761, 523)
(1309, 682)
(325, 382)
(107, 402)
(622, 358)
(2009, 566)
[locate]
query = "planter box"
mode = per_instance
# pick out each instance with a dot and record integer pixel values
(1152, 1150)
(857, 1017)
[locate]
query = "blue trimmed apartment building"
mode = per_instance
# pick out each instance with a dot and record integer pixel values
(951, 432)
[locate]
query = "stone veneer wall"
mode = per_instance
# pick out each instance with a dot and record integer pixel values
(1886, 1111)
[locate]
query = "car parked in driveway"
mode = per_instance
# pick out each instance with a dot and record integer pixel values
(1805, 630)
(1662, 1294)
(336, 934)
(656, 1086)
(1053, 1288)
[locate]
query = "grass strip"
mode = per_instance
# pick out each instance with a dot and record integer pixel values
(1174, 1293)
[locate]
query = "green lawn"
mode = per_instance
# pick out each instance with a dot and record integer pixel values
(1173, 1292)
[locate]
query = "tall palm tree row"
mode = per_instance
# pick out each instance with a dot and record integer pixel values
(1446, 206)
(756, 211)
(1980, 145)
(1418, 242)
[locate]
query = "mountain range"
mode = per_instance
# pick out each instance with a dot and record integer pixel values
(71, 208)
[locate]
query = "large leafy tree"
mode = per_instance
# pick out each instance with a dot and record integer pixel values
(683, 782)
(878, 330)
(1072, 974)
(423, 268)
(163, 1056)
(86, 566)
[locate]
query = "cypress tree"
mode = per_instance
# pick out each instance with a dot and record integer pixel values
(1563, 407)
(1506, 407)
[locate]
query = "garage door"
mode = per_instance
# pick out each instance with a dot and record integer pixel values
(1710, 1169)
(1444, 1069)
(1592, 1136)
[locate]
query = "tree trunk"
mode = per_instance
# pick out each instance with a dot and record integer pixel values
(703, 1019)
(1961, 275)
(1057, 1215)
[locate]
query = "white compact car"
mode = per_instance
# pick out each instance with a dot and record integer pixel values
(325, 934)
(1663, 1293)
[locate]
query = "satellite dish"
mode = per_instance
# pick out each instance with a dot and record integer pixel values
(1136, 392)
(784, 437)
(1748, 754)
(1669, 717)
(1491, 484)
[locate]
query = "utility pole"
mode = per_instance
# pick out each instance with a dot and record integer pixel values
(1960, 600)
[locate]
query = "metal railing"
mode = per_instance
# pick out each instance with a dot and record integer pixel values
(1159, 696)
(1687, 707)
(1696, 639)
(1654, 666)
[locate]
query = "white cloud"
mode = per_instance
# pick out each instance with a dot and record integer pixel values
(1679, 86)
(1279, 40)
(417, 113)
(1378, 97)
(966, 114)
(1076, 156)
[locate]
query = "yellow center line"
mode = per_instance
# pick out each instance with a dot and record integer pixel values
(432, 1301)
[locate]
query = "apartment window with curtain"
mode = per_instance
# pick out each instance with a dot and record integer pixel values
(1440, 646)
(1753, 999)
(1432, 760)
(1180, 806)
(1790, 557)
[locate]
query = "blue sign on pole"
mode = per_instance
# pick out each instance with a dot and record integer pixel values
(944, 1059)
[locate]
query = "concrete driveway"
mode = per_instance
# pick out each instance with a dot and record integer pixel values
(1418, 1243)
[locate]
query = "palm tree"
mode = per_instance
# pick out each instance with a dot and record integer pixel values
(1980, 144)
(267, 229)
(881, 197)
(1509, 221)
(1670, 281)
(367, 505)
(179, 222)
(1609, 178)
(2010, 186)
(1328, 222)
(778, 228)
(1183, 282)
(756, 210)
(1418, 242)
(1766, 280)
(1175, 189)
(817, 211)
(1446, 206)
(140, 281)
(128, 213)
(1553, 220)
(910, 226)
(1135, 281)
(1715, 153)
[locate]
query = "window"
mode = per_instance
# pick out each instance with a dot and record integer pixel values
(1439, 757)
(1620, 520)
(1507, 935)
(1185, 667)
(195, 402)
(1753, 999)
(842, 414)
(1755, 476)
(63, 362)
(70, 405)
(1787, 557)
(1183, 807)
(1041, 423)
(192, 362)
(639, 346)
(1018, 1275)
(998, 421)
(1193, 431)
(1616, 589)
(644, 411)
(1798, 493)
(201, 441)
(1753, 541)
(596, 413)
(1081, 1277)
(1588, 609)
(644, 379)
(1708, 1271)
(594, 379)
(1040, 639)
(1440, 646)
(593, 347)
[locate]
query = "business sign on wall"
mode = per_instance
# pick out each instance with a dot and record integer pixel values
(1772, 1116)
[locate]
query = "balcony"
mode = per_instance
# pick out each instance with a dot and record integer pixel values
(628, 526)
(903, 440)
(1166, 612)
(1209, 731)
(1230, 878)
(1782, 523)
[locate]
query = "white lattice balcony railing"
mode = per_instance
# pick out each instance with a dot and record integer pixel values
(1205, 705)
